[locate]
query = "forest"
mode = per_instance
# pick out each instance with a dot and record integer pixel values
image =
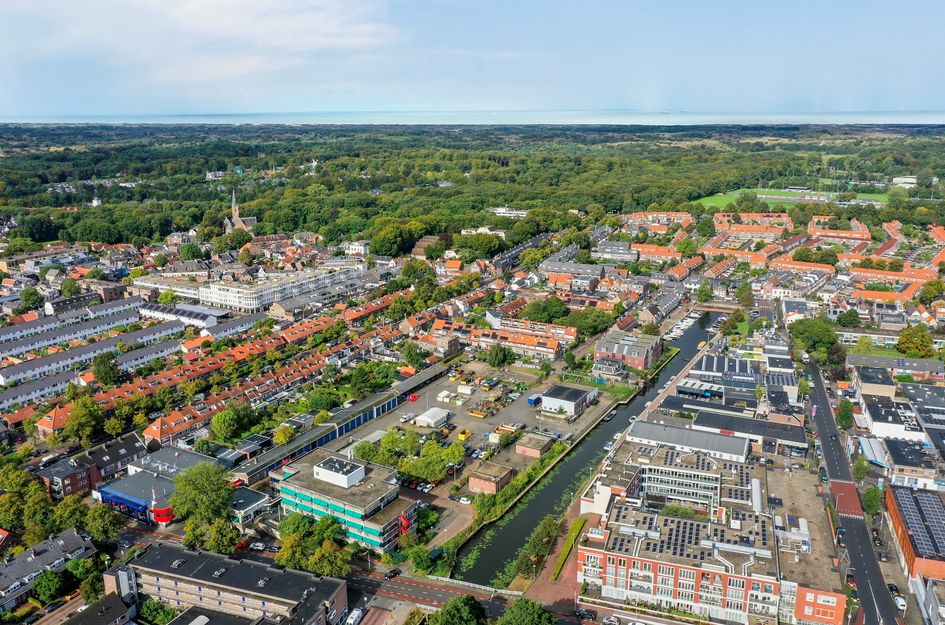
(395, 184)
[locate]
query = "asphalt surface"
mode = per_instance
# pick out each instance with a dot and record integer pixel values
(876, 600)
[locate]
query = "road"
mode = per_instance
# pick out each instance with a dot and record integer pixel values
(876, 600)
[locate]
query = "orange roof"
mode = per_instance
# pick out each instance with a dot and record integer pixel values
(453, 264)
(196, 343)
(55, 420)
(29, 316)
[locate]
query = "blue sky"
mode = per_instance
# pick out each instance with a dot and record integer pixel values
(147, 57)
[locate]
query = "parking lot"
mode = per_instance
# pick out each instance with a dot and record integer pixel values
(798, 491)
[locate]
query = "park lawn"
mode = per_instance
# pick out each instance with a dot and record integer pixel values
(723, 200)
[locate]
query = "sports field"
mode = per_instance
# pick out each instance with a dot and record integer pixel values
(724, 199)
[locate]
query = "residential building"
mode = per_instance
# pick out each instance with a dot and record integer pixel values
(363, 497)
(113, 457)
(17, 574)
(357, 248)
(69, 476)
(616, 251)
(243, 588)
(635, 350)
(109, 610)
(911, 465)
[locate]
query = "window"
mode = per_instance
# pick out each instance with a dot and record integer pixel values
(827, 600)
(810, 597)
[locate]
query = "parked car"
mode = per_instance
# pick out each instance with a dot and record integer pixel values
(52, 607)
(272, 549)
(851, 580)
(243, 544)
(465, 500)
(882, 556)
(585, 615)
(124, 544)
(391, 574)
(32, 618)
(611, 620)
(453, 497)
(900, 602)
(892, 588)
(258, 547)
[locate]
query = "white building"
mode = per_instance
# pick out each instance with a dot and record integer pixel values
(357, 248)
(433, 418)
(567, 400)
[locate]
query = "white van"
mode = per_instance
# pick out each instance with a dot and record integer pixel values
(355, 617)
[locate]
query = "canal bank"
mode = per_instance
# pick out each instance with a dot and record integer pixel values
(488, 552)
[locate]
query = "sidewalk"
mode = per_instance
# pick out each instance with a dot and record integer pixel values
(560, 595)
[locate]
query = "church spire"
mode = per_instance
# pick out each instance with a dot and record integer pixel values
(234, 207)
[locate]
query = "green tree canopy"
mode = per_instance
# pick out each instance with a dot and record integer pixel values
(526, 612)
(202, 492)
(462, 610)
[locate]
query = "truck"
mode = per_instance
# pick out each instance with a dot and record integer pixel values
(805, 358)
(534, 400)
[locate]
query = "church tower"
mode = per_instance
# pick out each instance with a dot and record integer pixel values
(234, 208)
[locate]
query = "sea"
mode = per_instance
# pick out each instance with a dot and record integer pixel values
(550, 117)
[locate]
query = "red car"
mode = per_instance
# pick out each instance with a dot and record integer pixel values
(243, 544)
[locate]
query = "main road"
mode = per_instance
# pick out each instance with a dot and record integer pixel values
(877, 602)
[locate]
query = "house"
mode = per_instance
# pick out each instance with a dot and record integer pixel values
(356, 248)
(635, 350)
(113, 457)
(69, 476)
(109, 610)
(53, 554)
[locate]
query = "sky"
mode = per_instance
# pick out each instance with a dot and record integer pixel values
(61, 58)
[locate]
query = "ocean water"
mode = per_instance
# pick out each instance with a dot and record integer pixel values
(611, 117)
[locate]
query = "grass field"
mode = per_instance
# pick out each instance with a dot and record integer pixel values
(723, 200)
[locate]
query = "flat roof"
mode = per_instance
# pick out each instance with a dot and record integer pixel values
(753, 427)
(244, 576)
(780, 363)
(908, 454)
(875, 375)
(378, 481)
(923, 515)
(644, 431)
(491, 471)
(245, 498)
(928, 401)
(923, 365)
(105, 610)
(565, 393)
(201, 616)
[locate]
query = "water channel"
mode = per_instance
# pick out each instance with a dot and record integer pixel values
(487, 553)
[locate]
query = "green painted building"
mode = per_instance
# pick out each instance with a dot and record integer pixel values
(364, 497)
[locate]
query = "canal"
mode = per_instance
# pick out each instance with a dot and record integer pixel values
(488, 552)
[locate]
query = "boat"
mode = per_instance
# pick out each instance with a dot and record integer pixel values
(608, 446)
(610, 415)
(701, 344)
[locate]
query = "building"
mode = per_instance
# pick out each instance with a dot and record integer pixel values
(916, 367)
(917, 520)
(566, 401)
(17, 574)
(933, 607)
(357, 248)
(64, 304)
(246, 505)
(888, 418)
(533, 445)
(719, 446)
(432, 418)
(242, 588)
(145, 492)
(635, 350)
(616, 251)
(911, 465)
(109, 610)
(765, 436)
(874, 381)
(113, 457)
(69, 476)
(364, 497)
(235, 221)
(489, 478)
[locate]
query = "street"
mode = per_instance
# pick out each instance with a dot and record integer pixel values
(876, 600)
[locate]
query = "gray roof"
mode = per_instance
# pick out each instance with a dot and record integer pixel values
(57, 335)
(234, 326)
(169, 461)
(114, 451)
(875, 375)
(753, 427)
(51, 383)
(919, 365)
(247, 577)
(712, 444)
(40, 557)
(28, 328)
(103, 612)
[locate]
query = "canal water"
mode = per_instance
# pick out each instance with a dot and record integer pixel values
(487, 553)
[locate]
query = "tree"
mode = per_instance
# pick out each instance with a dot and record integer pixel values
(47, 586)
(462, 610)
(156, 613)
(105, 368)
(872, 500)
(71, 512)
(30, 299)
(103, 524)
(291, 554)
(224, 424)
(84, 421)
(545, 310)
(803, 387)
(81, 567)
(864, 345)
(326, 528)
(38, 512)
(39, 228)
(283, 434)
(11, 511)
(499, 355)
(526, 612)
(916, 342)
(744, 295)
(687, 247)
(861, 468)
(168, 298)
(195, 533)
(411, 354)
(295, 524)
(189, 251)
(329, 560)
(113, 426)
(92, 588)
(222, 537)
(815, 336)
(930, 291)
(848, 319)
(704, 292)
(650, 329)
(844, 414)
(202, 492)
(69, 287)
